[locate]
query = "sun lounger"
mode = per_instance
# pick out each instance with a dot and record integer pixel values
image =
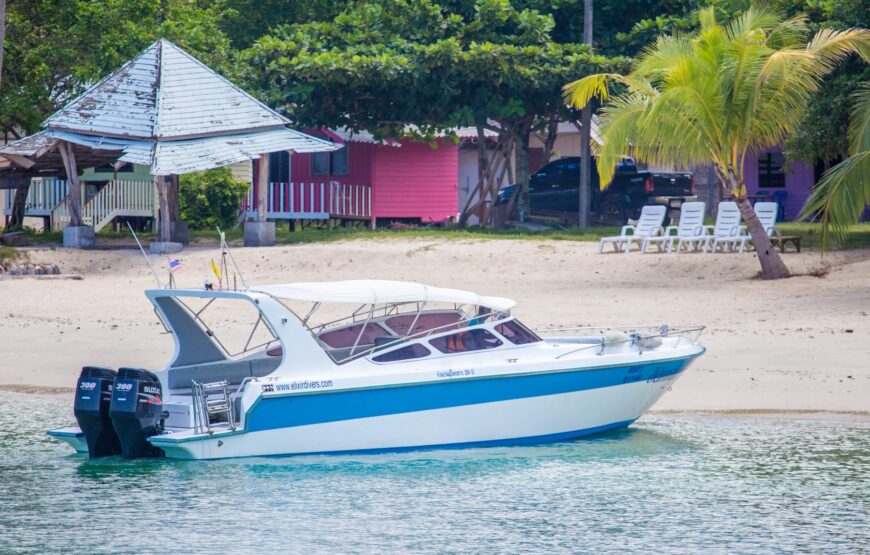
(689, 232)
(648, 225)
(767, 213)
(727, 231)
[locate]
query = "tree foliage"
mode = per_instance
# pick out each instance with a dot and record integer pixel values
(210, 198)
(56, 48)
(713, 96)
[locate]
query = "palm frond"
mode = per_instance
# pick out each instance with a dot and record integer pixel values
(859, 124)
(841, 196)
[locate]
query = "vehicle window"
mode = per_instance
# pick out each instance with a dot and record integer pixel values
(408, 352)
(465, 341)
(345, 337)
(402, 324)
(517, 333)
(571, 167)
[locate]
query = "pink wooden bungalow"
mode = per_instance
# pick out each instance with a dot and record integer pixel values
(366, 180)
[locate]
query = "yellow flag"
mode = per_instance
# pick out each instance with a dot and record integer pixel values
(217, 273)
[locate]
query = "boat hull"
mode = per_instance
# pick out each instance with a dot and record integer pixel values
(454, 413)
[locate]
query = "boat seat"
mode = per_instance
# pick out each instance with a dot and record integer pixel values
(233, 371)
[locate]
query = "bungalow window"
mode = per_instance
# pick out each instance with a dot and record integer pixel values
(771, 172)
(279, 167)
(330, 163)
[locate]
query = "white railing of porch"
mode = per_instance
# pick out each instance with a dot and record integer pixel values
(124, 197)
(42, 196)
(312, 201)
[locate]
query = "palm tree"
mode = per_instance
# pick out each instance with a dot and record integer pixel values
(716, 95)
(844, 191)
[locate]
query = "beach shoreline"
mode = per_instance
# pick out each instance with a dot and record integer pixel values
(789, 346)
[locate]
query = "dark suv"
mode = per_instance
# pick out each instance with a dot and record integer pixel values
(554, 190)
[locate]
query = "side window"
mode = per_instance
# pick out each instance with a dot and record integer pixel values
(465, 341)
(408, 352)
(517, 333)
(345, 337)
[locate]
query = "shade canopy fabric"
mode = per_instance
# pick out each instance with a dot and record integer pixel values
(379, 292)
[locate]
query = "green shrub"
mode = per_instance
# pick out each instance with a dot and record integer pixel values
(210, 198)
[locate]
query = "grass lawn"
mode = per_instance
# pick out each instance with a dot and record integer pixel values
(857, 237)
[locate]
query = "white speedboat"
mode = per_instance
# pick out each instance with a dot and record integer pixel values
(412, 367)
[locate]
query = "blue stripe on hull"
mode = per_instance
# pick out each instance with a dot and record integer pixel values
(299, 410)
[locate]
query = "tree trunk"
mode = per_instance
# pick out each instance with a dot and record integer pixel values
(172, 199)
(585, 134)
(482, 164)
(19, 205)
(550, 140)
(263, 188)
(2, 36)
(164, 232)
(521, 153)
(74, 196)
(772, 266)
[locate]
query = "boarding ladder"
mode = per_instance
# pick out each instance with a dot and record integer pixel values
(209, 400)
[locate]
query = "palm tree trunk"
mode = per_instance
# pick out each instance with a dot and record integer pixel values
(772, 266)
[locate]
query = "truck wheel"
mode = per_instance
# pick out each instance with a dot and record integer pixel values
(611, 213)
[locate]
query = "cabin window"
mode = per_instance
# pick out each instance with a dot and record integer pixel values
(466, 341)
(346, 337)
(517, 333)
(408, 352)
(279, 167)
(426, 321)
(771, 170)
(110, 168)
(330, 163)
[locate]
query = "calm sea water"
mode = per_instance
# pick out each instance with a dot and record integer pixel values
(673, 484)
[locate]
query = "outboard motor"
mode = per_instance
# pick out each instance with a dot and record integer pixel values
(91, 408)
(137, 411)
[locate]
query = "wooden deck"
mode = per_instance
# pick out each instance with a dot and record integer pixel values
(313, 201)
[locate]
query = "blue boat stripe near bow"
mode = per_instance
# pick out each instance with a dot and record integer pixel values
(300, 410)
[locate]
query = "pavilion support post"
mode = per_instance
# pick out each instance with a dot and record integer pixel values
(261, 233)
(164, 243)
(75, 235)
(178, 231)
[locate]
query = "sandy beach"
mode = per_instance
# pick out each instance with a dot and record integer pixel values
(801, 344)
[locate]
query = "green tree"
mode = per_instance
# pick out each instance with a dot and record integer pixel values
(844, 191)
(714, 96)
(210, 198)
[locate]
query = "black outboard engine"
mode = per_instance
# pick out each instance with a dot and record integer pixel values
(91, 407)
(136, 411)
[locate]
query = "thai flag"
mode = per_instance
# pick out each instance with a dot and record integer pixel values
(175, 265)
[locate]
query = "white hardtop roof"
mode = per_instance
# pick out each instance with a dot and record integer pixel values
(379, 292)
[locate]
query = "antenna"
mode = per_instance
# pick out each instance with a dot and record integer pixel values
(148, 260)
(226, 248)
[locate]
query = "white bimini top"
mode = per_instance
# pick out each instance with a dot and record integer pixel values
(379, 292)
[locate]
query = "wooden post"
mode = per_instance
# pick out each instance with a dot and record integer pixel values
(72, 178)
(172, 198)
(163, 233)
(263, 188)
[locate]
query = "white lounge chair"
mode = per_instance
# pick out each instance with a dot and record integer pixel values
(727, 231)
(648, 225)
(767, 213)
(690, 230)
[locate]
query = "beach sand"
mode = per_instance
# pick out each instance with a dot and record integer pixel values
(801, 344)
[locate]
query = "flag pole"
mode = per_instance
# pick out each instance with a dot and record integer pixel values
(148, 260)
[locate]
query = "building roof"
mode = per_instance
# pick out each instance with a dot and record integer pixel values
(379, 292)
(160, 95)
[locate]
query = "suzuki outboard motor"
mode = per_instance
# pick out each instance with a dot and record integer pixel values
(91, 407)
(136, 411)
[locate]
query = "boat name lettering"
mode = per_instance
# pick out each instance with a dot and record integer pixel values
(454, 373)
(124, 386)
(88, 385)
(303, 385)
(658, 376)
(633, 374)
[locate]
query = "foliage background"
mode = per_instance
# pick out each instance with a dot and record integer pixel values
(210, 198)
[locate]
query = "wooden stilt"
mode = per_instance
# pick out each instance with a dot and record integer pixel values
(263, 188)
(72, 178)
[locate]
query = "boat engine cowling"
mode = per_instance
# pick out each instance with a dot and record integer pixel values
(91, 409)
(137, 411)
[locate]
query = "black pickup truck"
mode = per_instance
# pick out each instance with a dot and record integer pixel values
(554, 190)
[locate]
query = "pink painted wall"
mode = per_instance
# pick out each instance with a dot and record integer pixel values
(799, 181)
(360, 156)
(415, 181)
